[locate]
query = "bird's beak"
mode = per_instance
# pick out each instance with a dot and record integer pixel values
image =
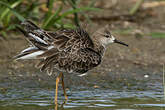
(119, 42)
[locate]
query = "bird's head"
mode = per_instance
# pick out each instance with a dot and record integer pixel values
(107, 38)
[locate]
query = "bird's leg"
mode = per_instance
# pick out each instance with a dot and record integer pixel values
(63, 86)
(56, 94)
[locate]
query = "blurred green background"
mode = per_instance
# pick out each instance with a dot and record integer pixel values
(49, 13)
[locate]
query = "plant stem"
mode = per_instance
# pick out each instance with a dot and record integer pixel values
(76, 19)
(136, 7)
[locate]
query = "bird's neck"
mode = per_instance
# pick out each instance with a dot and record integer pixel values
(98, 47)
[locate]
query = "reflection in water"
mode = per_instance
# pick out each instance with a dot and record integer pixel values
(60, 76)
(24, 95)
(61, 106)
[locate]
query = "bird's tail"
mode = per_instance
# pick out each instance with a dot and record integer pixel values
(38, 39)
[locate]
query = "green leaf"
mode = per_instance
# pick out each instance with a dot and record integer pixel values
(21, 18)
(51, 18)
(76, 11)
(7, 19)
(50, 5)
(69, 25)
(4, 34)
(7, 10)
(12, 26)
(50, 8)
(61, 24)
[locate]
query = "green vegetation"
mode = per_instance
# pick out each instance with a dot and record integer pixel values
(136, 7)
(124, 31)
(157, 35)
(50, 13)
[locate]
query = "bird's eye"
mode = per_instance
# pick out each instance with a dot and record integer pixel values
(106, 36)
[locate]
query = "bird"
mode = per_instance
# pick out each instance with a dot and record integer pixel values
(65, 50)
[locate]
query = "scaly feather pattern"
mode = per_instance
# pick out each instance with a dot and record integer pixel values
(66, 49)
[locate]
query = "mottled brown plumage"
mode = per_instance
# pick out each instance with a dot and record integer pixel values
(66, 49)
(69, 50)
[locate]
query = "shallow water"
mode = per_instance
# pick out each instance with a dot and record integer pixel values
(81, 99)
(33, 92)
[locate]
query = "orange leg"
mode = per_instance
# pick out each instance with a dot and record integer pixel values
(63, 86)
(56, 94)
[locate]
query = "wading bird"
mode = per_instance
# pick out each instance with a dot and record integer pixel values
(65, 50)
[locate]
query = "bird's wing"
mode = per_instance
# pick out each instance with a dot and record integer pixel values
(66, 45)
(68, 48)
(66, 38)
(81, 61)
(68, 41)
(75, 51)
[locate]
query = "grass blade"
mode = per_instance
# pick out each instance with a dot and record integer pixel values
(76, 11)
(7, 10)
(73, 3)
(51, 18)
(50, 8)
(21, 18)
(136, 7)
